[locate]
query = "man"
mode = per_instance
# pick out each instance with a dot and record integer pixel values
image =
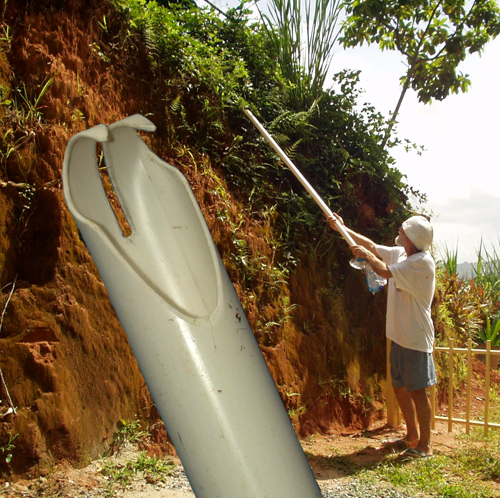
(410, 270)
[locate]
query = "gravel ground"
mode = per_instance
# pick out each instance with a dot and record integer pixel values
(91, 482)
(353, 488)
(70, 485)
(339, 488)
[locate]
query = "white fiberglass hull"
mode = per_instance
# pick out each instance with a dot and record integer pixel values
(184, 321)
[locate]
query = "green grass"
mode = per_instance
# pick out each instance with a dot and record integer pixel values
(129, 432)
(119, 475)
(469, 472)
(7, 447)
(442, 475)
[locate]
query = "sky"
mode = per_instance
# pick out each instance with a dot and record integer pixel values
(459, 171)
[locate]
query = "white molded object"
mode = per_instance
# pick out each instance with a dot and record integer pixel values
(183, 319)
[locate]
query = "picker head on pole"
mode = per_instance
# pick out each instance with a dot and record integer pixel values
(362, 248)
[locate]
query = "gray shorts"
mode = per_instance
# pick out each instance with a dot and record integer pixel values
(411, 369)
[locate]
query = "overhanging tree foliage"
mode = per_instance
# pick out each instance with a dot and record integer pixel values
(434, 36)
(207, 67)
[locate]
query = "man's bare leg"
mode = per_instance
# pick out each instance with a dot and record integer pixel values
(407, 406)
(424, 415)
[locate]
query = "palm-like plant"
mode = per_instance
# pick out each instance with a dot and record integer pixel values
(491, 332)
(488, 276)
(303, 33)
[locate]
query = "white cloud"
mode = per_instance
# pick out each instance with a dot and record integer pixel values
(460, 169)
(464, 224)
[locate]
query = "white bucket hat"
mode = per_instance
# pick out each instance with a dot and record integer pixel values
(419, 231)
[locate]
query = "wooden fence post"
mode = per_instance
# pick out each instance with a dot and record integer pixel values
(469, 386)
(450, 384)
(487, 388)
(393, 412)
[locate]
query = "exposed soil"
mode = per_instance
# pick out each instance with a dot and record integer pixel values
(326, 454)
(65, 358)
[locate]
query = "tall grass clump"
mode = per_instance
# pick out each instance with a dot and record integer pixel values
(450, 262)
(467, 305)
(488, 278)
(303, 34)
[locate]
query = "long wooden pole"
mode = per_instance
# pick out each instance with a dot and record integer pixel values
(487, 387)
(321, 203)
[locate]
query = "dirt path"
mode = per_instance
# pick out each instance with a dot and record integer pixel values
(321, 450)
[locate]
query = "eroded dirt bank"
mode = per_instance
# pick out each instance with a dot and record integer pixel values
(65, 358)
